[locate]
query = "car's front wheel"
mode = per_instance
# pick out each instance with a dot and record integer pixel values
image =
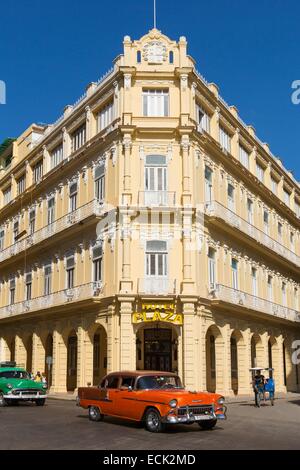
(40, 402)
(3, 402)
(153, 421)
(208, 424)
(94, 414)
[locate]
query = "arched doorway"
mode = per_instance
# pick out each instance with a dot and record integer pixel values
(257, 351)
(72, 344)
(28, 346)
(157, 348)
(214, 359)
(99, 355)
(48, 354)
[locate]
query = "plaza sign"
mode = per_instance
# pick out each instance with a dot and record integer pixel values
(153, 312)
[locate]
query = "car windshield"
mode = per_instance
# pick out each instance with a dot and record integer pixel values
(158, 382)
(15, 374)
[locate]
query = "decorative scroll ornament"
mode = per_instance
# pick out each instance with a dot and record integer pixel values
(155, 52)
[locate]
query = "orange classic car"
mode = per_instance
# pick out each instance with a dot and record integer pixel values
(154, 398)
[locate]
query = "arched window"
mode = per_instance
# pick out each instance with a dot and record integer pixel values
(171, 57)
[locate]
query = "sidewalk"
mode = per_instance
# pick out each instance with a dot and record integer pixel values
(229, 400)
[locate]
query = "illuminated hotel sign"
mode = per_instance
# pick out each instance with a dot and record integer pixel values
(158, 312)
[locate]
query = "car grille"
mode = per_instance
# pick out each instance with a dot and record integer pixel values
(195, 410)
(26, 391)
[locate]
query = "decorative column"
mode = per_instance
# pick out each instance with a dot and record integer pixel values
(127, 336)
(186, 189)
(235, 144)
(127, 145)
(252, 160)
(113, 340)
(46, 160)
(20, 352)
(215, 127)
(66, 143)
(59, 367)
(126, 284)
(81, 359)
(38, 354)
(225, 361)
(279, 371)
(244, 376)
(191, 369)
(88, 114)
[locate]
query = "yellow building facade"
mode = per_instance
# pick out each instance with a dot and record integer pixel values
(149, 228)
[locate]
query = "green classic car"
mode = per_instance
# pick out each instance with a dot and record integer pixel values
(16, 385)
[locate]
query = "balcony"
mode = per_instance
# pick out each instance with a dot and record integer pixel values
(242, 299)
(157, 198)
(82, 292)
(156, 286)
(93, 208)
(215, 209)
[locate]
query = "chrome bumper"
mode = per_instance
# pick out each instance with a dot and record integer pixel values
(190, 418)
(35, 396)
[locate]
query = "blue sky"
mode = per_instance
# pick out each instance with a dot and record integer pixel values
(49, 52)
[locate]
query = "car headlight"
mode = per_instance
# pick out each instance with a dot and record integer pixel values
(173, 403)
(9, 385)
(221, 401)
(44, 386)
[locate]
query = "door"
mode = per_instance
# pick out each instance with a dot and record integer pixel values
(158, 349)
(126, 402)
(72, 363)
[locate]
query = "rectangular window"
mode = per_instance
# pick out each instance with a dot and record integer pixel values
(100, 182)
(296, 299)
(225, 140)
(21, 184)
(292, 240)
(270, 288)
(279, 231)
(156, 103)
(15, 230)
(254, 281)
(38, 172)
(12, 291)
(286, 197)
(31, 221)
(156, 258)
(78, 137)
(56, 156)
(28, 286)
(266, 222)
(208, 184)
(274, 186)
(73, 196)
(283, 291)
(234, 271)
(230, 197)
(105, 116)
(47, 279)
(250, 211)
(97, 263)
(203, 119)
(70, 269)
(155, 180)
(2, 239)
(7, 195)
(51, 210)
(260, 172)
(212, 268)
(244, 157)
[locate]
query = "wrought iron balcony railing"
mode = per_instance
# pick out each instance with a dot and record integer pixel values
(83, 212)
(216, 209)
(156, 286)
(157, 198)
(84, 291)
(237, 297)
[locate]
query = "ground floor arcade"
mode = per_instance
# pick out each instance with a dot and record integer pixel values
(210, 350)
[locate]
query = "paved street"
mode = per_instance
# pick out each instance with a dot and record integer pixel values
(61, 425)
